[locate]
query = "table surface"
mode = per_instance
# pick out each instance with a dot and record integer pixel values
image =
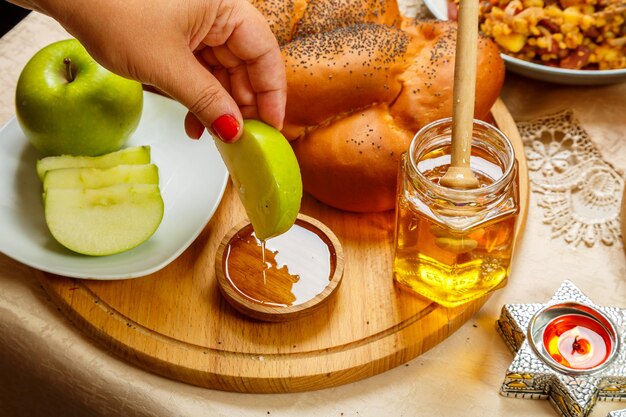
(48, 367)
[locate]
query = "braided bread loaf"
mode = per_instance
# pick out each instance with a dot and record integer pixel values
(360, 87)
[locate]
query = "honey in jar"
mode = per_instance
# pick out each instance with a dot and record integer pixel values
(455, 245)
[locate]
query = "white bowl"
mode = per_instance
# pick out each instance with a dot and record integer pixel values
(439, 8)
(192, 179)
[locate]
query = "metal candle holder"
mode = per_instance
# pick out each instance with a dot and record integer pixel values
(534, 374)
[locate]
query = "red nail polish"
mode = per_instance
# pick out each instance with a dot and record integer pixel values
(225, 127)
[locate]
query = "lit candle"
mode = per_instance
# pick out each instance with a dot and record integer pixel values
(577, 341)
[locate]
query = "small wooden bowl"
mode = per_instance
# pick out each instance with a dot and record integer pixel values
(272, 312)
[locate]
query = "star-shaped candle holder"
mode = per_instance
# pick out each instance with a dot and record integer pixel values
(569, 351)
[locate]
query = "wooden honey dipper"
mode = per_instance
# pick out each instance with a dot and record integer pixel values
(459, 174)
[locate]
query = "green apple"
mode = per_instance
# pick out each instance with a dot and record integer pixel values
(101, 205)
(103, 221)
(101, 177)
(127, 156)
(68, 104)
(266, 174)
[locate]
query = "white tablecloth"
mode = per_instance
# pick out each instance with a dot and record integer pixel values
(49, 368)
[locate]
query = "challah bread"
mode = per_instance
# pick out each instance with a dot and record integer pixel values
(327, 79)
(352, 163)
(323, 15)
(428, 84)
(282, 16)
(358, 93)
(291, 19)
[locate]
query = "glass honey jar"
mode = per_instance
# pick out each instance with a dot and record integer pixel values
(455, 245)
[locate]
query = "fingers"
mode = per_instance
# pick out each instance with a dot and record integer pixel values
(232, 74)
(268, 81)
(189, 82)
(254, 101)
(239, 74)
(271, 107)
(193, 127)
(256, 69)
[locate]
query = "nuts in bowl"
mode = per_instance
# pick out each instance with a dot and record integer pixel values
(569, 34)
(579, 42)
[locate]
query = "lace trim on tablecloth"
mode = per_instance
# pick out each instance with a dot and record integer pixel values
(579, 192)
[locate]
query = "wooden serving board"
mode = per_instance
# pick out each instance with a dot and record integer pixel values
(175, 322)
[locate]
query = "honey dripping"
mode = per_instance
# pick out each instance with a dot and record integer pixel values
(287, 270)
(263, 264)
(448, 265)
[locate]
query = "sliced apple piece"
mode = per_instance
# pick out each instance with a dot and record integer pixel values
(266, 174)
(127, 156)
(101, 177)
(103, 221)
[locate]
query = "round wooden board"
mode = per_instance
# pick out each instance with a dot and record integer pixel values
(175, 322)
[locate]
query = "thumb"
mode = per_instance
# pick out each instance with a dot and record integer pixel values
(209, 104)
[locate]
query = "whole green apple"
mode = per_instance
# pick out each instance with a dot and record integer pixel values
(68, 104)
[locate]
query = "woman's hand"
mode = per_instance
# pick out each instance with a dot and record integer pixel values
(217, 57)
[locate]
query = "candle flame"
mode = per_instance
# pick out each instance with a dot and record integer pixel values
(577, 348)
(580, 345)
(576, 344)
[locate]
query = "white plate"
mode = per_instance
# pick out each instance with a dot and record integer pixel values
(192, 181)
(439, 8)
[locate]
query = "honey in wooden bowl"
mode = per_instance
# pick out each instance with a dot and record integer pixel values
(283, 278)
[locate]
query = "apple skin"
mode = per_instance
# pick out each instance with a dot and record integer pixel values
(266, 175)
(93, 114)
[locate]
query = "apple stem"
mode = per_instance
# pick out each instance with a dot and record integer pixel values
(68, 68)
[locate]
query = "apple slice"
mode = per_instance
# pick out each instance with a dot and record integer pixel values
(266, 174)
(128, 156)
(101, 177)
(103, 221)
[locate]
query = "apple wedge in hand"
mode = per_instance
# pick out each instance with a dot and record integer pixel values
(266, 175)
(101, 205)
